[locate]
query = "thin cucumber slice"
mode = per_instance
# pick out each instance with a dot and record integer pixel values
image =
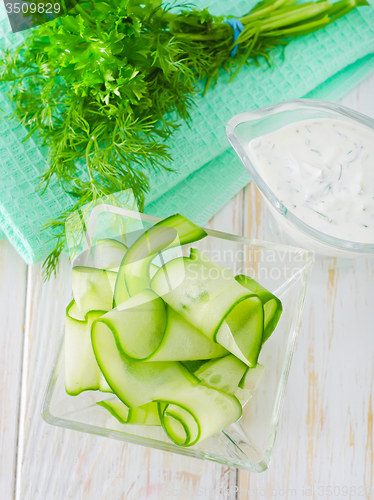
(272, 305)
(223, 374)
(180, 425)
(209, 298)
(141, 415)
(145, 330)
(134, 383)
(138, 325)
(81, 369)
(184, 342)
(109, 254)
(135, 267)
(176, 349)
(246, 321)
(206, 295)
(226, 339)
(93, 288)
(103, 385)
(198, 413)
(252, 378)
(168, 383)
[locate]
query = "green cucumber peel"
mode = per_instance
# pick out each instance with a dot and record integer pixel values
(175, 425)
(141, 415)
(134, 272)
(82, 372)
(272, 305)
(201, 410)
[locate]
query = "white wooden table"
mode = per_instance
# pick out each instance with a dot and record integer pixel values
(325, 446)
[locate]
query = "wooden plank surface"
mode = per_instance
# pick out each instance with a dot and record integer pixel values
(326, 430)
(12, 311)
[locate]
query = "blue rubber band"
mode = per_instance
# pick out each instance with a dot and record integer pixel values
(238, 28)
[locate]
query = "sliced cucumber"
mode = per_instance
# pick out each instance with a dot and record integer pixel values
(209, 298)
(181, 347)
(252, 377)
(141, 415)
(198, 413)
(205, 296)
(81, 369)
(93, 288)
(223, 374)
(134, 271)
(145, 330)
(246, 321)
(169, 383)
(103, 385)
(109, 254)
(184, 342)
(272, 305)
(226, 339)
(138, 325)
(136, 384)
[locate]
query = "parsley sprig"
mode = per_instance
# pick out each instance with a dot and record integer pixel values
(104, 85)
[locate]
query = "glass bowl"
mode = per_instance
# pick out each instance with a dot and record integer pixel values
(248, 443)
(244, 127)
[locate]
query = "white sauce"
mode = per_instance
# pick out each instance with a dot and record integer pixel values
(322, 170)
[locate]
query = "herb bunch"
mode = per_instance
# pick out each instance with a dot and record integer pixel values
(104, 85)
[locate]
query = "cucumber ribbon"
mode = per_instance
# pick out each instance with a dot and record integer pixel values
(142, 415)
(179, 348)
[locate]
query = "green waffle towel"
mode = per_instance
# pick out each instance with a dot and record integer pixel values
(207, 173)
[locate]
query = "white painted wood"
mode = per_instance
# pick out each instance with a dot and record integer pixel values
(61, 464)
(325, 436)
(12, 312)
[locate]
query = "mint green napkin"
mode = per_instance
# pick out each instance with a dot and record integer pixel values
(207, 172)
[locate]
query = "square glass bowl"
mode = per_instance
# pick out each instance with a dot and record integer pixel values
(244, 127)
(247, 444)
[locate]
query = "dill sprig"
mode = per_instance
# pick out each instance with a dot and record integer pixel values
(104, 85)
